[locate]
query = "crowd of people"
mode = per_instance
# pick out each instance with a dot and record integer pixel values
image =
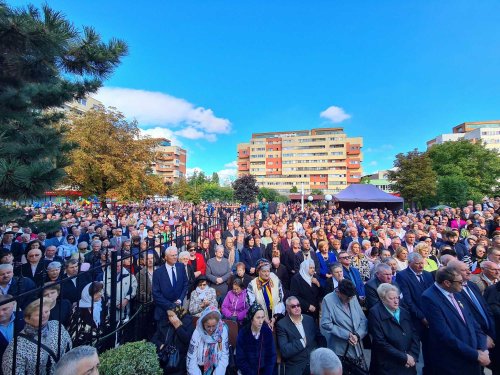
(255, 289)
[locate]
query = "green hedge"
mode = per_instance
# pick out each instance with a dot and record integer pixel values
(130, 359)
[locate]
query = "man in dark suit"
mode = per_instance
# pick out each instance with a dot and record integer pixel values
(117, 240)
(15, 286)
(452, 241)
(296, 338)
(475, 301)
(11, 322)
(456, 343)
(71, 288)
(35, 268)
(306, 253)
(170, 284)
(230, 231)
(413, 281)
(383, 274)
(352, 236)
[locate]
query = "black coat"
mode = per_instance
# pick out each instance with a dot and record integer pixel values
(61, 312)
(392, 341)
(180, 338)
(306, 294)
(71, 292)
(293, 354)
(39, 277)
(21, 285)
(282, 274)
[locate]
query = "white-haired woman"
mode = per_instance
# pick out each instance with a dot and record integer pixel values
(396, 345)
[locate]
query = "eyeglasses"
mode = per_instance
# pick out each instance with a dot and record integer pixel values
(33, 256)
(294, 306)
(456, 281)
(346, 257)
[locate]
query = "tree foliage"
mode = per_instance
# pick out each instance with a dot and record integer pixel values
(294, 189)
(45, 61)
(111, 159)
(452, 190)
(245, 189)
(414, 177)
(271, 195)
(477, 167)
(215, 178)
(316, 192)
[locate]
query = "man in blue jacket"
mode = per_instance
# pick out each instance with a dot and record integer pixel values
(456, 342)
(170, 284)
(413, 281)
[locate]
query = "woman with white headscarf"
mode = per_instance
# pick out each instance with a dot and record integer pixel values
(306, 288)
(88, 319)
(208, 352)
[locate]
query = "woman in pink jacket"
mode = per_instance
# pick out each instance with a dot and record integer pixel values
(235, 304)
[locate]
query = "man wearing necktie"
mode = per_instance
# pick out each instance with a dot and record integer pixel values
(170, 284)
(456, 342)
(475, 301)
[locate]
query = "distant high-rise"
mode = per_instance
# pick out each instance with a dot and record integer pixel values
(486, 131)
(170, 161)
(324, 159)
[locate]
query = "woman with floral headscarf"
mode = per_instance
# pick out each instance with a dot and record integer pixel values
(208, 352)
(267, 290)
(256, 353)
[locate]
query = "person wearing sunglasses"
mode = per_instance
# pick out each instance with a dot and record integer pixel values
(296, 348)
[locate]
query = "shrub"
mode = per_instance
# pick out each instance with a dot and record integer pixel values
(132, 358)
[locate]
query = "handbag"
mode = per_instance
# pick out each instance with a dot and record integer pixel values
(354, 366)
(169, 354)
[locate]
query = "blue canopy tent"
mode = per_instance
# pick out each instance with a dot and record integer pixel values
(367, 196)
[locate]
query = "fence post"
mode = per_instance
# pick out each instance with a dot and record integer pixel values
(112, 314)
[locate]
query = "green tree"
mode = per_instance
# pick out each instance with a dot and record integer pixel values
(111, 159)
(316, 192)
(212, 193)
(245, 189)
(271, 195)
(45, 61)
(477, 166)
(185, 192)
(452, 191)
(414, 178)
(294, 189)
(215, 178)
(365, 180)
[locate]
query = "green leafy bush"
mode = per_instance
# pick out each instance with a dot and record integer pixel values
(130, 359)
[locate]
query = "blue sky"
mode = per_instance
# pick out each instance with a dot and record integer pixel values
(209, 73)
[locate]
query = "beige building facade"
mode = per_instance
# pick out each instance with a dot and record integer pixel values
(325, 159)
(487, 132)
(170, 162)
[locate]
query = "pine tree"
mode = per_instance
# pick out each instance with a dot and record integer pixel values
(44, 62)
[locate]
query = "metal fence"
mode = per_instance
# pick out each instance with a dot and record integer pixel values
(118, 324)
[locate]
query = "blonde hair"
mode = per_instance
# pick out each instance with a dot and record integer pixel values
(35, 306)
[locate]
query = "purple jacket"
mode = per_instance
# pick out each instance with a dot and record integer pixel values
(235, 303)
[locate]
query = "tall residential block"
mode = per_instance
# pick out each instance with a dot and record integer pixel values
(487, 132)
(170, 162)
(324, 159)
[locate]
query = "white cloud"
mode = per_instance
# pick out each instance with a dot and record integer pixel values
(233, 164)
(335, 114)
(190, 171)
(226, 176)
(165, 111)
(373, 163)
(192, 133)
(162, 133)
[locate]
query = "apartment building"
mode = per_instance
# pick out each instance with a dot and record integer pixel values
(170, 162)
(486, 131)
(324, 159)
(83, 105)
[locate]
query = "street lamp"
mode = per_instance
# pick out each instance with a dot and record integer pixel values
(310, 198)
(328, 198)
